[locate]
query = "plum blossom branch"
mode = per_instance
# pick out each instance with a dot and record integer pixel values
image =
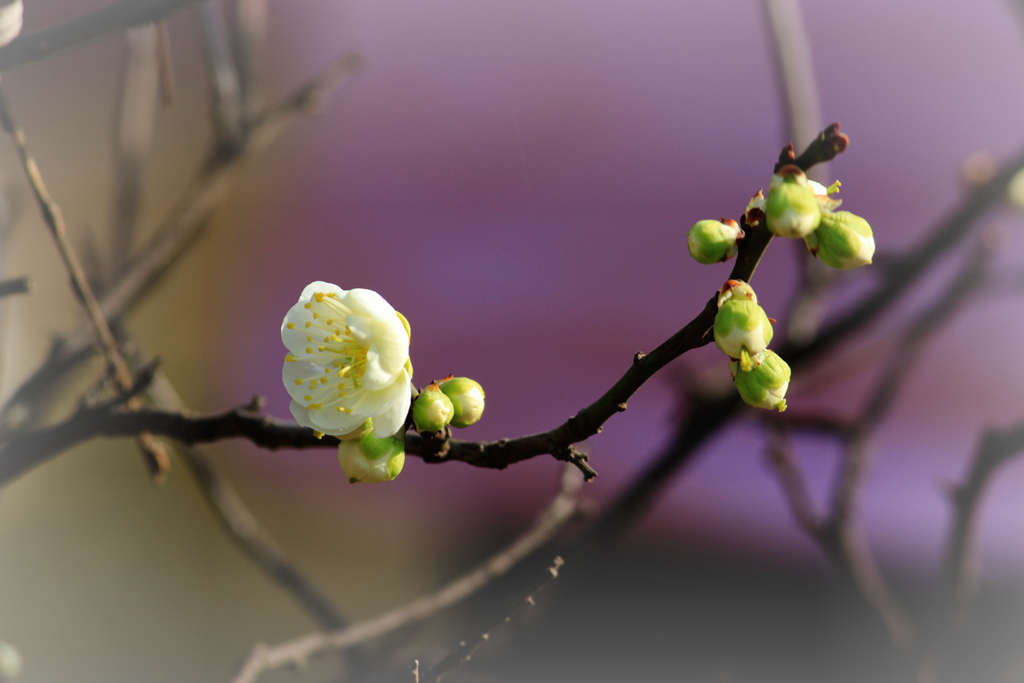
(562, 509)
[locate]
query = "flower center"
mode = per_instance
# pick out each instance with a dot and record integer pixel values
(333, 348)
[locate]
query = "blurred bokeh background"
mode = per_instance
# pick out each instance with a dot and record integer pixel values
(517, 178)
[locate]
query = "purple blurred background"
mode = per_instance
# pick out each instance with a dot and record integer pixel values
(518, 179)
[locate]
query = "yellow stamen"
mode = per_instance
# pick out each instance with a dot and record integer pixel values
(289, 358)
(291, 326)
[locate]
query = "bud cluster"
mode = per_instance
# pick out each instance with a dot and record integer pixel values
(743, 332)
(796, 207)
(800, 208)
(455, 401)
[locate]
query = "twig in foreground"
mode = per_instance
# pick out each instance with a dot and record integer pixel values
(466, 649)
(298, 651)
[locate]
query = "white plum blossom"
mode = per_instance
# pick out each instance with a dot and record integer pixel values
(348, 361)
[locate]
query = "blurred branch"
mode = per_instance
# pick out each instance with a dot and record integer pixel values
(905, 271)
(467, 648)
(298, 651)
(154, 455)
(840, 535)
(959, 567)
(134, 136)
(225, 89)
(795, 69)
(15, 285)
(248, 20)
(115, 17)
(780, 456)
(181, 226)
(243, 527)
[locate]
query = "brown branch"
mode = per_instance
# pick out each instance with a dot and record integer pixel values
(297, 652)
(115, 17)
(154, 454)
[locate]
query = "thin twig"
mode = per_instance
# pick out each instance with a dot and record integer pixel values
(154, 455)
(298, 651)
(467, 648)
(118, 16)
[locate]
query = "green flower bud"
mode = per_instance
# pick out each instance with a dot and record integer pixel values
(370, 459)
(467, 398)
(764, 385)
(742, 329)
(10, 661)
(713, 241)
(842, 240)
(791, 208)
(432, 410)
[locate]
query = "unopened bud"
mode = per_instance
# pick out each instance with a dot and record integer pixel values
(432, 410)
(742, 329)
(764, 385)
(843, 240)
(713, 241)
(791, 208)
(467, 397)
(371, 459)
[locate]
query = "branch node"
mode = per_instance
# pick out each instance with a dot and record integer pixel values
(569, 454)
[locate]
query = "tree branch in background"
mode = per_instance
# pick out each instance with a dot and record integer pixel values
(840, 535)
(181, 226)
(115, 17)
(243, 527)
(960, 564)
(153, 453)
(297, 652)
